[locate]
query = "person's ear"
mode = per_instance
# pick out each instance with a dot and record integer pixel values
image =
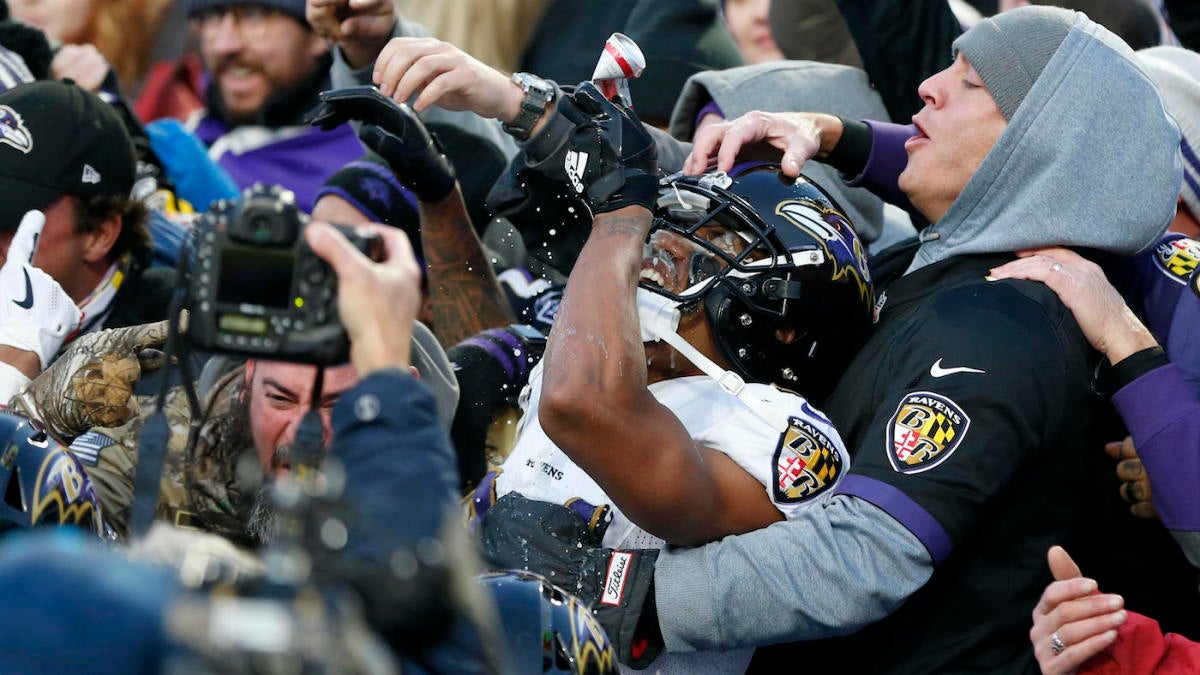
(99, 242)
(415, 373)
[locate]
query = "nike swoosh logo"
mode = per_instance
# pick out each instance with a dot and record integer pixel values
(937, 370)
(28, 301)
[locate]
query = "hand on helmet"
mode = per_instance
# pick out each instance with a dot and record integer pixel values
(564, 544)
(611, 159)
(36, 314)
(92, 383)
(393, 131)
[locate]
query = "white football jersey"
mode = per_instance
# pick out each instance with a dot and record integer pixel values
(797, 467)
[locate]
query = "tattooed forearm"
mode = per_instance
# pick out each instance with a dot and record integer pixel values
(465, 303)
(635, 226)
(465, 295)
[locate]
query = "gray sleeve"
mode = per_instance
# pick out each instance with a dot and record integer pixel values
(829, 572)
(342, 75)
(436, 372)
(1189, 541)
(671, 151)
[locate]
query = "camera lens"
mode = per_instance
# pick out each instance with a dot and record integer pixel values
(260, 226)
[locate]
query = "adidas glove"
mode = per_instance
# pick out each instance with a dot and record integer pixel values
(611, 160)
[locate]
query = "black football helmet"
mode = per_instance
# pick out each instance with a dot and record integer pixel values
(791, 301)
(42, 483)
(548, 630)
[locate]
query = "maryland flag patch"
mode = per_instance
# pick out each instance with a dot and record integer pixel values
(1177, 258)
(925, 431)
(806, 463)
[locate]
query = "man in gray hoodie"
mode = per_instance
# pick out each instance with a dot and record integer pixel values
(966, 413)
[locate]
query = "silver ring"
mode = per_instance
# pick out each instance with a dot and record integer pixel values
(1057, 267)
(1056, 644)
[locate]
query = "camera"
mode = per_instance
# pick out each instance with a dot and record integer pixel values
(256, 288)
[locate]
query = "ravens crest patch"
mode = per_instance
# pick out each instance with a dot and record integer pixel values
(925, 431)
(806, 463)
(1177, 258)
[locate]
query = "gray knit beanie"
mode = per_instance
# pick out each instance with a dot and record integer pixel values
(1010, 50)
(294, 8)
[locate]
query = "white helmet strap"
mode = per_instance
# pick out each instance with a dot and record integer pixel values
(659, 318)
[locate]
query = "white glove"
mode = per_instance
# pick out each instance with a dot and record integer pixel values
(657, 313)
(36, 314)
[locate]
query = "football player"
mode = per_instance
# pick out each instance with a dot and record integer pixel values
(747, 291)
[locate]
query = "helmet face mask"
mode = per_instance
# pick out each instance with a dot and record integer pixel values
(777, 266)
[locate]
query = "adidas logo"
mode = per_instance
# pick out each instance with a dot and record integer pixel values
(90, 175)
(575, 164)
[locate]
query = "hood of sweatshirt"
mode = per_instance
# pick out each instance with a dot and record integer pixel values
(784, 86)
(1090, 159)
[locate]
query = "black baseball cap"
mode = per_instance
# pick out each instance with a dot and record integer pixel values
(57, 138)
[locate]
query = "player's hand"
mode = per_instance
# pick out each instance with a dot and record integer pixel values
(789, 138)
(1083, 621)
(36, 314)
(1106, 321)
(395, 133)
(1135, 483)
(564, 545)
(440, 73)
(360, 28)
(611, 160)
(377, 301)
(92, 383)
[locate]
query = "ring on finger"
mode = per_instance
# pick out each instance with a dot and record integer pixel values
(1057, 267)
(1130, 495)
(1056, 644)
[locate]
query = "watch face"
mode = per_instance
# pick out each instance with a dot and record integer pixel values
(533, 84)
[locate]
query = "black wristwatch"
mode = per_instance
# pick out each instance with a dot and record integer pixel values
(538, 94)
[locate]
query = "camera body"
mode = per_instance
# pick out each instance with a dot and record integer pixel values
(256, 288)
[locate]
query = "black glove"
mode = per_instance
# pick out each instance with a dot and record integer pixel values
(563, 544)
(394, 132)
(611, 159)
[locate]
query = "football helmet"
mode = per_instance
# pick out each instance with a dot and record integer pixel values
(42, 483)
(548, 630)
(777, 267)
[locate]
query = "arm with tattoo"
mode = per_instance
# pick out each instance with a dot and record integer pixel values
(465, 295)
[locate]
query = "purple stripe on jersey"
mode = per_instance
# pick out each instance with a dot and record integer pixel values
(901, 507)
(1163, 416)
(503, 356)
(885, 163)
(1194, 165)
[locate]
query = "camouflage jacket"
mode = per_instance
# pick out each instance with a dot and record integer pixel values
(199, 488)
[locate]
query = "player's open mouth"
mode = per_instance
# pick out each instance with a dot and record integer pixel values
(659, 268)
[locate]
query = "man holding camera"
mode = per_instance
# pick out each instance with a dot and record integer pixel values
(253, 411)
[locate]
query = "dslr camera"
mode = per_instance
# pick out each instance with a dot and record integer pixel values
(256, 288)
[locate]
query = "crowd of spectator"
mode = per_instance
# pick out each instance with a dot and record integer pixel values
(686, 336)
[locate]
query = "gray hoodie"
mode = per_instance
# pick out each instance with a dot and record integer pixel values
(784, 86)
(1071, 169)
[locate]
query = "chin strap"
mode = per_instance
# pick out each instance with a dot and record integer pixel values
(659, 317)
